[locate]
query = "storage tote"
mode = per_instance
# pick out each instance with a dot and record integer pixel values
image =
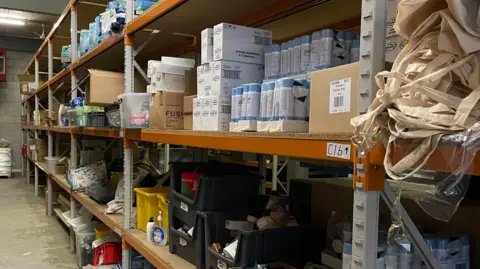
(224, 187)
(148, 205)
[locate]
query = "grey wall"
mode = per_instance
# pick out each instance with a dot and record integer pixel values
(20, 44)
(10, 104)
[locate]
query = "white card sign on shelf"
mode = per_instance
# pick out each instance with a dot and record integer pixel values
(342, 151)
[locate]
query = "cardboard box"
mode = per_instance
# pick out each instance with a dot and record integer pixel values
(220, 113)
(105, 86)
(227, 75)
(393, 46)
(239, 43)
(188, 112)
(207, 46)
(392, 9)
(25, 80)
(204, 80)
(190, 83)
(333, 99)
(188, 121)
(197, 113)
(166, 111)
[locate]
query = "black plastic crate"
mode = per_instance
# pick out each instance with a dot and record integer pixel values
(288, 244)
(225, 187)
(97, 119)
(191, 249)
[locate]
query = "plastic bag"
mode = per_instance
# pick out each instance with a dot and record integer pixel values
(428, 101)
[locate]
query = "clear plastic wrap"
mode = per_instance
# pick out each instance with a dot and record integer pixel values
(441, 184)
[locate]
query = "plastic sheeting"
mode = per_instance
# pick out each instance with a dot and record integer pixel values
(426, 111)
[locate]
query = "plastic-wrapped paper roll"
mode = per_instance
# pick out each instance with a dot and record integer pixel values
(263, 103)
(339, 49)
(391, 256)
(270, 89)
(253, 101)
(306, 43)
(284, 98)
(291, 49)
(237, 95)
(296, 56)
(355, 51)
(243, 111)
(300, 92)
(275, 61)
(349, 37)
(321, 49)
(285, 60)
(347, 256)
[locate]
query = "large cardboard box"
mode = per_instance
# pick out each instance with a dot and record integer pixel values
(188, 112)
(227, 75)
(333, 99)
(239, 43)
(166, 111)
(105, 86)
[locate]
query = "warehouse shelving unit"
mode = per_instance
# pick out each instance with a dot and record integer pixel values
(189, 17)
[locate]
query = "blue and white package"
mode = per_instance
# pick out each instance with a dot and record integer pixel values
(296, 56)
(243, 111)
(349, 37)
(253, 101)
(339, 52)
(84, 42)
(321, 49)
(272, 61)
(285, 60)
(306, 43)
(355, 51)
(237, 95)
(300, 91)
(465, 251)
(270, 87)
(291, 48)
(442, 251)
(391, 256)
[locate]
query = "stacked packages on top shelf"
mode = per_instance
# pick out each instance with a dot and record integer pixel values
(169, 83)
(232, 55)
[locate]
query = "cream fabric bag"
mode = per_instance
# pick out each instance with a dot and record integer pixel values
(433, 88)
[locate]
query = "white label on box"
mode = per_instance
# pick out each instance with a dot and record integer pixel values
(221, 264)
(182, 242)
(340, 95)
(184, 206)
(341, 151)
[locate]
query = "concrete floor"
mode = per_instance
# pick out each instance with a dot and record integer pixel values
(28, 238)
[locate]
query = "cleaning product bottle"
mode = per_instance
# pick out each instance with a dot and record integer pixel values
(150, 225)
(159, 235)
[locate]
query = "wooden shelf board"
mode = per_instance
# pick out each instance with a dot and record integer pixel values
(310, 146)
(114, 222)
(61, 181)
(159, 256)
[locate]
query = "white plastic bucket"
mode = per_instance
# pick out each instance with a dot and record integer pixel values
(134, 110)
(51, 164)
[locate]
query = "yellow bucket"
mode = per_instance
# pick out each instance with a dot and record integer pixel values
(148, 206)
(101, 231)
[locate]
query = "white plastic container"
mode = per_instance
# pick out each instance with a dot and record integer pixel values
(169, 78)
(134, 110)
(51, 164)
